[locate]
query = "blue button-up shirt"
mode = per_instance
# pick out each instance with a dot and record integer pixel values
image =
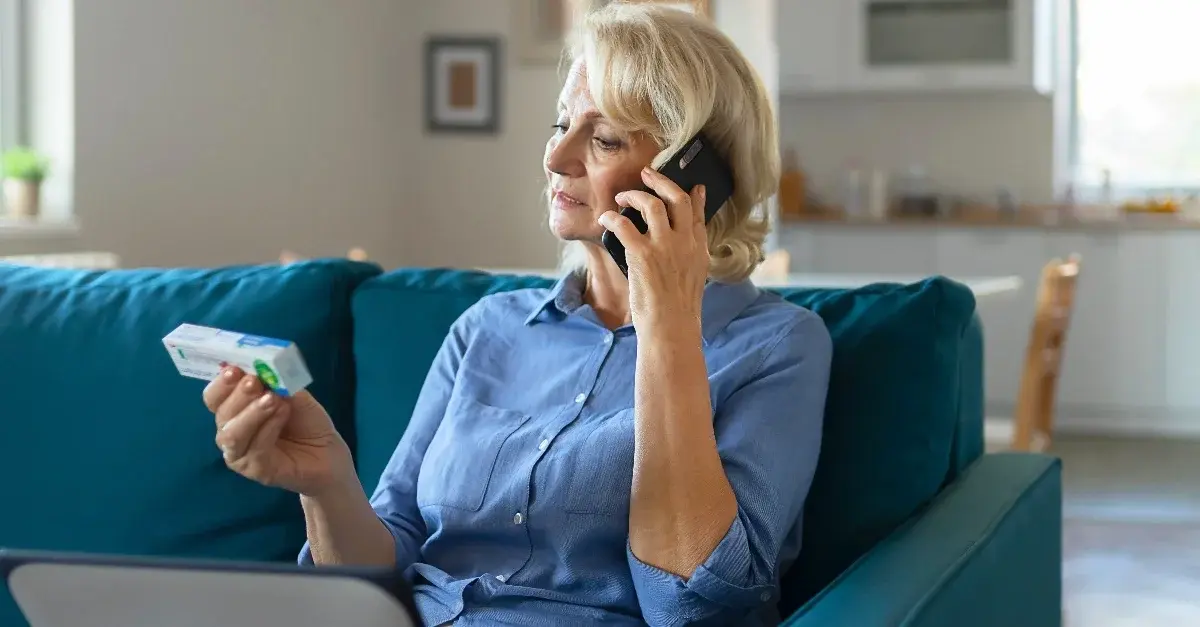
(508, 495)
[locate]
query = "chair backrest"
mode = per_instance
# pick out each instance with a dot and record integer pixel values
(354, 254)
(1034, 421)
(775, 267)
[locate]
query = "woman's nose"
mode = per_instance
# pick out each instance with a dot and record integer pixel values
(561, 160)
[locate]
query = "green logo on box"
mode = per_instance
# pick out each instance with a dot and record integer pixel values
(266, 375)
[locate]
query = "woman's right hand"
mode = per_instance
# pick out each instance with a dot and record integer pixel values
(284, 442)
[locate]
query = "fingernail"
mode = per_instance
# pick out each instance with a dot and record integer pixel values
(703, 192)
(227, 373)
(266, 401)
(249, 383)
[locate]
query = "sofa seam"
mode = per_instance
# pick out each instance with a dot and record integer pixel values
(857, 564)
(985, 540)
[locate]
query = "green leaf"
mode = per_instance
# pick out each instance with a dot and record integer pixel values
(24, 164)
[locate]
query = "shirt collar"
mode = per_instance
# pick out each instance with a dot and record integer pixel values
(723, 302)
(565, 297)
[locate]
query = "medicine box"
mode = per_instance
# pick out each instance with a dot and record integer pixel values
(202, 352)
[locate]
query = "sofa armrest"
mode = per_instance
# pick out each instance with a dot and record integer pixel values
(986, 551)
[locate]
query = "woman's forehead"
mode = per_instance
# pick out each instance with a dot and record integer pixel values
(576, 97)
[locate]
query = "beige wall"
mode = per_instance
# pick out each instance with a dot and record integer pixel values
(481, 197)
(222, 131)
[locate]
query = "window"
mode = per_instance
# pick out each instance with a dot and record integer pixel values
(12, 79)
(1136, 106)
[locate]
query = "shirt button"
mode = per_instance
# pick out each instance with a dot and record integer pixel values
(543, 445)
(518, 519)
(608, 339)
(766, 596)
(581, 398)
(501, 578)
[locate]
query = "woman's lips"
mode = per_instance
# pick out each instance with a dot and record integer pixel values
(564, 199)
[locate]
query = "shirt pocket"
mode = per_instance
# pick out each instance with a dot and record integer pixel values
(461, 458)
(602, 468)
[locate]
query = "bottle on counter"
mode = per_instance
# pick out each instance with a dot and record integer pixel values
(917, 197)
(877, 196)
(1006, 203)
(852, 191)
(792, 186)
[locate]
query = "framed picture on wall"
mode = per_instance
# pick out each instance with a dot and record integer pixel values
(542, 25)
(462, 84)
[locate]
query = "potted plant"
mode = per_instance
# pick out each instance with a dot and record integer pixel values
(23, 170)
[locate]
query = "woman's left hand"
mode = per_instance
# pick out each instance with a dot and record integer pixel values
(668, 265)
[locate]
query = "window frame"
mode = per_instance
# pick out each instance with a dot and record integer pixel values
(14, 124)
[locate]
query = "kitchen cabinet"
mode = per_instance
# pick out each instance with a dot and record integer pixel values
(1116, 344)
(809, 37)
(1006, 320)
(951, 45)
(1182, 273)
(1133, 346)
(875, 251)
(856, 46)
(802, 253)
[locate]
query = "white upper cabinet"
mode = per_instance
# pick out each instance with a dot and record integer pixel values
(811, 38)
(921, 45)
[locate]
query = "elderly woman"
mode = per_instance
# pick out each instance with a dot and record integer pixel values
(614, 450)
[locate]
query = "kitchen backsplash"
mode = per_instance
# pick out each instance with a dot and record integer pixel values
(967, 144)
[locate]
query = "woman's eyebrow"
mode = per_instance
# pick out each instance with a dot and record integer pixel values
(591, 115)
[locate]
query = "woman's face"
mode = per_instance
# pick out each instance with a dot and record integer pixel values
(588, 162)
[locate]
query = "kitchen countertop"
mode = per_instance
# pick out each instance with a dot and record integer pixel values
(979, 285)
(1042, 220)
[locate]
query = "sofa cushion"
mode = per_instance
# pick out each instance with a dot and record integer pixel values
(891, 419)
(107, 448)
(892, 414)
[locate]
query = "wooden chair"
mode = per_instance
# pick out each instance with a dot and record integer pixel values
(354, 254)
(1033, 422)
(774, 267)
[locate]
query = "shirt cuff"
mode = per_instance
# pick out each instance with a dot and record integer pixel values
(306, 559)
(724, 581)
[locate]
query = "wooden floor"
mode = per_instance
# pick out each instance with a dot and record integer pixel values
(1131, 532)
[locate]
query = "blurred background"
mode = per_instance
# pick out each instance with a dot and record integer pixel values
(1046, 152)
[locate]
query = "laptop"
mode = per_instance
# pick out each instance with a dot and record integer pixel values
(55, 589)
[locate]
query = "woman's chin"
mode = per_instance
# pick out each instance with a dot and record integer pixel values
(572, 228)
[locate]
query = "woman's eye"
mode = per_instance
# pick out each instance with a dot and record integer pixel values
(604, 144)
(561, 128)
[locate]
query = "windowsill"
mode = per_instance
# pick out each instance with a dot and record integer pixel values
(37, 228)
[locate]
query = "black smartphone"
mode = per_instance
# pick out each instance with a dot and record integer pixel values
(697, 163)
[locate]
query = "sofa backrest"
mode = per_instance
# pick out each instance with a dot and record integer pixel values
(903, 416)
(105, 448)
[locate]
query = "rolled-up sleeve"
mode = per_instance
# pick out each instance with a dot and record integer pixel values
(769, 437)
(395, 496)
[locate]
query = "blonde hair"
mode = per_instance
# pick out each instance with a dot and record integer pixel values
(670, 74)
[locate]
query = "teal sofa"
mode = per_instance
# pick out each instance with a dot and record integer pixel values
(104, 448)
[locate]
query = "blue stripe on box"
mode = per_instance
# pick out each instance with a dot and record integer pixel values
(258, 340)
